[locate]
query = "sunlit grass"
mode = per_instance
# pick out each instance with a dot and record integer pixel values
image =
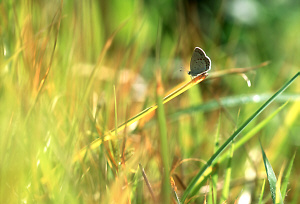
(83, 120)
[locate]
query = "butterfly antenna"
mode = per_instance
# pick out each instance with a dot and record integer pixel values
(183, 69)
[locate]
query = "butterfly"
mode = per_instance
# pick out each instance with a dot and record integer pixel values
(200, 62)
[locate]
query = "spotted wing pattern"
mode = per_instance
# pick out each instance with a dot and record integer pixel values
(200, 63)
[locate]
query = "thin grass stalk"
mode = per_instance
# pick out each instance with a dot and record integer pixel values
(112, 134)
(165, 194)
(195, 180)
(226, 185)
(287, 176)
(262, 192)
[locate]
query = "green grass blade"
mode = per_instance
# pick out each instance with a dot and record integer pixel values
(232, 101)
(112, 134)
(194, 181)
(226, 185)
(135, 194)
(262, 192)
(214, 178)
(276, 197)
(112, 143)
(287, 176)
(254, 131)
(164, 145)
(116, 114)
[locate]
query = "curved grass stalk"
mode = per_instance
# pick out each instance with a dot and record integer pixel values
(112, 134)
(198, 177)
(177, 91)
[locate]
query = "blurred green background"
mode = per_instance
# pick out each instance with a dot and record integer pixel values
(88, 47)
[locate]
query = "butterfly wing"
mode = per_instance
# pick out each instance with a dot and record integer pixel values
(199, 62)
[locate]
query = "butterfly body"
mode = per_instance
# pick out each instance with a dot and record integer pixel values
(200, 62)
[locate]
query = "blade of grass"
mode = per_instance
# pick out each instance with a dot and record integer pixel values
(147, 182)
(226, 185)
(244, 139)
(174, 188)
(236, 70)
(214, 179)
(250, 134)
(112, 134)
(253, 131)
(262, 192)
(165, 193)
(101, 57)
(135, 194)
(271, 178)
(231, 102)
(42, 83)
(112, 143)
(116, 115)
(195, 180)
(287, 176)
(278, 184)
(280, 139)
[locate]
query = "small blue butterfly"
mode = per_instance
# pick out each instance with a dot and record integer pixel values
(200, 63)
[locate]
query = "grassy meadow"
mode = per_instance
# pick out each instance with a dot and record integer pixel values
(96, 105)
